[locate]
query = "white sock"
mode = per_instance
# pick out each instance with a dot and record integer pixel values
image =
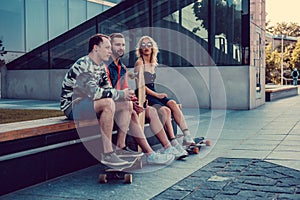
(186, 132)
(174, 142)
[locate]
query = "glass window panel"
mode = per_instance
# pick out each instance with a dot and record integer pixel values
(198, 21)
(166, 15)
(190, 36)
(105, 8)
(226, 49)
(93, 9)
(193, 20)
(12, 16)
(78, 12)
(36, 23)
(114, 1)
(58, 17)
(127, 20)
(70, 47)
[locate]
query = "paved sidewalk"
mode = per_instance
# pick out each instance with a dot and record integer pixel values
(255, 154)
(237, 178)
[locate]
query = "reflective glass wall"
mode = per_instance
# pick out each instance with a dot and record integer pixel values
(27, 24)
(216, 25)
(220, 27)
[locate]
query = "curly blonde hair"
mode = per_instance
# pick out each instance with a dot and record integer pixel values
(139, 52)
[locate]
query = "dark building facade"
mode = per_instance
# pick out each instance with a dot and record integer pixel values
(215, 48)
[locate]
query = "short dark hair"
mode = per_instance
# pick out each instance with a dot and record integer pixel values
(96, 40)
(116, 35)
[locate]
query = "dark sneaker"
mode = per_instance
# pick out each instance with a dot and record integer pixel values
(112, 159)
(126, 152)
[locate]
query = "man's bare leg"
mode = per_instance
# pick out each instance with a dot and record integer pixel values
(138, 134)
(123, 113)
(106, 109)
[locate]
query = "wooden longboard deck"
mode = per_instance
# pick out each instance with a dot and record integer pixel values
(141, 95)
(121, 172)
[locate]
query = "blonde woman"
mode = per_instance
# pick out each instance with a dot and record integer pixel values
(146, 52)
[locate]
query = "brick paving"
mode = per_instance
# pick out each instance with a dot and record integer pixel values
(237, 178)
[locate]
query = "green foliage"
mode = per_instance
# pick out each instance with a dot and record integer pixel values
(2, 52)
(295, 60)
(283, 28)
(291, 54)
(273, 65)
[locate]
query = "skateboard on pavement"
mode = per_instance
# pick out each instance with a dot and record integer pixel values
(121, 172)
(199, 142)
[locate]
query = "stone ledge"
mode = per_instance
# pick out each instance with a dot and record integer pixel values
(278, 92)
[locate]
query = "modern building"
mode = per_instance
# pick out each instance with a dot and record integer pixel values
(277, 40)
(27, 24)
(211, 51)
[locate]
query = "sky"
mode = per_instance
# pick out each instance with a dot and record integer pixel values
(283, 11)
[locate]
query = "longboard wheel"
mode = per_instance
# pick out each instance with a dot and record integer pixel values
(208, 143)
(196, 150)
(128, 178)
(102, 178)
(139, 164)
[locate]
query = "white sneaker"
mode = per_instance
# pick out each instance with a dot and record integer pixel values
(181, 149)
(188, 140)
(172, 150)
(160, 159)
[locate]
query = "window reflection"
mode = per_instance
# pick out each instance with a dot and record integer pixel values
(216, 25)
(36, 22)
(12, 16)
(58, 17)
(77, 12)
(220, 27)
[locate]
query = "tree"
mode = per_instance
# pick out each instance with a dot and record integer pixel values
(284, 28)
(290, 57)
(295, 60)
(2, 52)
(273, 65)
(287, 60)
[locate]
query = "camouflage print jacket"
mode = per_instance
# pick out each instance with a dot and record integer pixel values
(86, 79)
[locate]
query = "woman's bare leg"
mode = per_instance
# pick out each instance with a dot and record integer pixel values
(157, 127)
(180, 120)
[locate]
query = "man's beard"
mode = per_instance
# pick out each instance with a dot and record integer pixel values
(117, 55)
